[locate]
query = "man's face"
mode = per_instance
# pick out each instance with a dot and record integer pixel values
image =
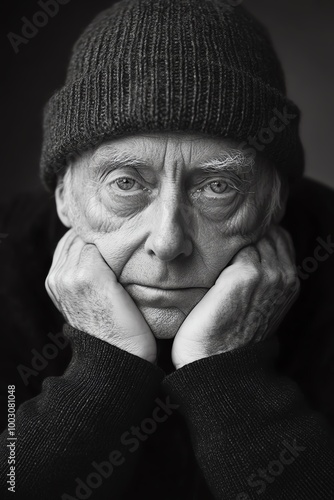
(167, 212)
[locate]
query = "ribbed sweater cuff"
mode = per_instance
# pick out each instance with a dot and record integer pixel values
(96, 364)
(242, 415)
(81, 416)
(234, 382)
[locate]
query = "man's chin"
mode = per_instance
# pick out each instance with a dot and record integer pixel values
(164, 322)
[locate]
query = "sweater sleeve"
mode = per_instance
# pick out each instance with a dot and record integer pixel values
(252, 432)
(72, 439)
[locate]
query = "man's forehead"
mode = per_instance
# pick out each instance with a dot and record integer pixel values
(157, 150)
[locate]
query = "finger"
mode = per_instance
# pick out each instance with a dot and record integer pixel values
(276, 321)
(280, 253)
(90, 258)
(51, 294)
(64, 242)
(63, 263)
(248, 255)
(70, 254)
(276, 257)
(286, 255)
(266, 247)
(287, 258)
(283, 242)
(288, 239)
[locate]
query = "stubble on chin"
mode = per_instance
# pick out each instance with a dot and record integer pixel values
(163, 322)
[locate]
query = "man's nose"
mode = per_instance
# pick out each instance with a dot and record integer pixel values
(169, 237)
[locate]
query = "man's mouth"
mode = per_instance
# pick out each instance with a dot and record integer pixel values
(155, 296)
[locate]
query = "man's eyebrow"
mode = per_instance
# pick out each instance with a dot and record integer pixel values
(110, 160)
(229, 161)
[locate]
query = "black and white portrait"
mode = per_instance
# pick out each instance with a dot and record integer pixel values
(167, 250)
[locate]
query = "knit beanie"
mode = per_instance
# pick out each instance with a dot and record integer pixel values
(203, 66)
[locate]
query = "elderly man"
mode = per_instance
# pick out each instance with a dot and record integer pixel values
(175, 162)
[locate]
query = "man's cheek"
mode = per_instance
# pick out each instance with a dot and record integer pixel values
(118, 247)
(217, 246)
(101, 232)
(98, 218)
(88, 216)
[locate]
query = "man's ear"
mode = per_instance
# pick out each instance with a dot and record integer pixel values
(62, 204)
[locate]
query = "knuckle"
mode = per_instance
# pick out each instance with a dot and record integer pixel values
(88, 250)
(50, 282)
(294, 282)
(61, 281)
(82, 281)
(66, 281)
(272, 276)
(251, 274)
(47, 282)
(291, 276)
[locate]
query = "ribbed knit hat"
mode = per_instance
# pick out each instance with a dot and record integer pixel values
(173, 65)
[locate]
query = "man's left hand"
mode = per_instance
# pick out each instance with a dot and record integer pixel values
(246, 304)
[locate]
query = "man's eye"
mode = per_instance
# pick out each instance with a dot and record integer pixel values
(218, 186)
(127, 184)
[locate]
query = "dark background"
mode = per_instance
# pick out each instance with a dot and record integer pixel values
(302, 31)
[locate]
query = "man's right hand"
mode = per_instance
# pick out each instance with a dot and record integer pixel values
(86, 291)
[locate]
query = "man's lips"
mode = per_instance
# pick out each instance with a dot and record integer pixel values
(155, 296)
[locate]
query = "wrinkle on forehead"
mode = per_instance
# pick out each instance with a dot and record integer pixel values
(189, 146)
(175, 152)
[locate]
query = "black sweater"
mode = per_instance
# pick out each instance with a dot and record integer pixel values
(251, 423)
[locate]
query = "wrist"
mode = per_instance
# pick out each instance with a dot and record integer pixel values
(183, 359)
(191, 356)
(147, 354)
